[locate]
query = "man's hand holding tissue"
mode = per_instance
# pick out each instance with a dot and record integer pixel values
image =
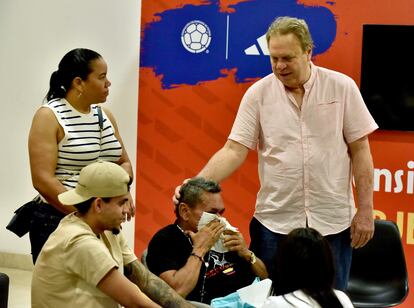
(234, 241)
(206, 237)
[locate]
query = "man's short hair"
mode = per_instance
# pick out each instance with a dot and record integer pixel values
(191, 193)
(84, 206)
(286, 25)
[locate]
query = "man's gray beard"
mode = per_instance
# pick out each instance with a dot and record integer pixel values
(115, 231)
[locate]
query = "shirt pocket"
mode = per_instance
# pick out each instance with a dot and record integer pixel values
(328, 103)
(328, 119)
(330, 109)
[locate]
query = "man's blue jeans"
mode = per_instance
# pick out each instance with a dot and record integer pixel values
(264, 244)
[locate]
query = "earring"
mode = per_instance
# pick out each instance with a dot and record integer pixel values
(80, 94)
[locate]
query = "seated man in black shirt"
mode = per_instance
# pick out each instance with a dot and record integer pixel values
(183, 256)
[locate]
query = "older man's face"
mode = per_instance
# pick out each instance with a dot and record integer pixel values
(290, 63)
(211, 203)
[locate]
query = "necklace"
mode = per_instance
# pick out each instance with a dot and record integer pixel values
(202, 291)
(189, 238)
(191, 243)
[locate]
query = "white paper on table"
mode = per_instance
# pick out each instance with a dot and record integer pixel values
(205, 219)
(256, 293)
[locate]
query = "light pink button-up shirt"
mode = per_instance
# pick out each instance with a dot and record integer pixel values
(304, 165)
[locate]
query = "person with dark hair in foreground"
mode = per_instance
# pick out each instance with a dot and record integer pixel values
(305, 273)
(86, 261)
(202, 259)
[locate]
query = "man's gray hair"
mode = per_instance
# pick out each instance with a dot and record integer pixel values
(284, 25)
(192, 191)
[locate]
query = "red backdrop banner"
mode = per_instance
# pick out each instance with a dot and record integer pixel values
(181, 124)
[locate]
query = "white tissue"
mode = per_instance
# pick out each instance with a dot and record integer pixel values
(256, 293)
(205, 219)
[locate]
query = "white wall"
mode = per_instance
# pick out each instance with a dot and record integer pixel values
(34, 36)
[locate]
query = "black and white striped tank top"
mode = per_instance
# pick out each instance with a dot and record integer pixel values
(82, 143)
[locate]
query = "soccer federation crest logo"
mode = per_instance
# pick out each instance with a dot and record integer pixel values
(196, 36)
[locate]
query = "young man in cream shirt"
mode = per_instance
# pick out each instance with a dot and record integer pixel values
(86, 262)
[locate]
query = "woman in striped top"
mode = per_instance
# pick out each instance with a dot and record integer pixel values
(69, 132)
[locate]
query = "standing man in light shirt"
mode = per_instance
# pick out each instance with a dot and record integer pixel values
(310, 127)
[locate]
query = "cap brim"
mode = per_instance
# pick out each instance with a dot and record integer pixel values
(71, 197)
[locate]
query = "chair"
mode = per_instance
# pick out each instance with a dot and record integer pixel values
(378, 276)
(4, 290)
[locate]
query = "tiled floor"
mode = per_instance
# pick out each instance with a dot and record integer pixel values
(19, 289)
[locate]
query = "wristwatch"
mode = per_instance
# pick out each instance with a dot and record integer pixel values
(252, 258)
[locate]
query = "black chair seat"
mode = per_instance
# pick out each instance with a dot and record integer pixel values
(376, 296)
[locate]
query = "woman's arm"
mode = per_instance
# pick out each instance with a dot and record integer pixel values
(124, 161)
(44, 136)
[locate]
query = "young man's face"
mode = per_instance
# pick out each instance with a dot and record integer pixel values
(114, 213)
(210, 203)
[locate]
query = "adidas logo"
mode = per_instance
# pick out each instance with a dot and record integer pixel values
(254, 51)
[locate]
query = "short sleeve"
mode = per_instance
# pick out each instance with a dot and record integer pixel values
(246, 126)
(167, 250)
(358, 122)
(127, 254)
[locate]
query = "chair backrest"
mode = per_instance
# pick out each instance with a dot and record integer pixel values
(4, 290)
(378, 276)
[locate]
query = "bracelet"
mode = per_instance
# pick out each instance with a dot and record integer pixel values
(252, 259)
(197, 256)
